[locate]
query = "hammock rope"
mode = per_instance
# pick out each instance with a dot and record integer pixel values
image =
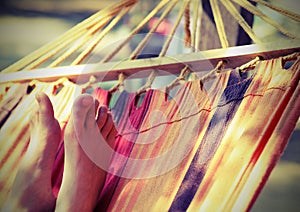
(241, 21)
(103, 33)
(196, 26)
(252, 9)
(219, 23)
(287, 13)
(77, 30)
(79, 42)
(172, 32)
(187, 31)
(136, 30)
(165, 47)
(82, 40)
(147, 38)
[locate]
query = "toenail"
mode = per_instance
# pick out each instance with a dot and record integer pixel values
(87, 100)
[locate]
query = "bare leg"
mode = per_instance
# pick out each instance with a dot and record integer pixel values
(31, 190)
(83, 179)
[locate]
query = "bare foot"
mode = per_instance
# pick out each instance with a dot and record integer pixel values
(83, 179)
(31, 190)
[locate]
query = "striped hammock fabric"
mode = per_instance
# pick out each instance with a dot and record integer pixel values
(208, 147)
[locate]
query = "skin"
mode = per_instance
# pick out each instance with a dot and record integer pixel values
(31, 190)
(82, 179)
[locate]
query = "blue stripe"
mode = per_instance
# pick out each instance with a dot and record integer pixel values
(229, 102)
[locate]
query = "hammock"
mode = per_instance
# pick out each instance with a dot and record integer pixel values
(219, 167)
